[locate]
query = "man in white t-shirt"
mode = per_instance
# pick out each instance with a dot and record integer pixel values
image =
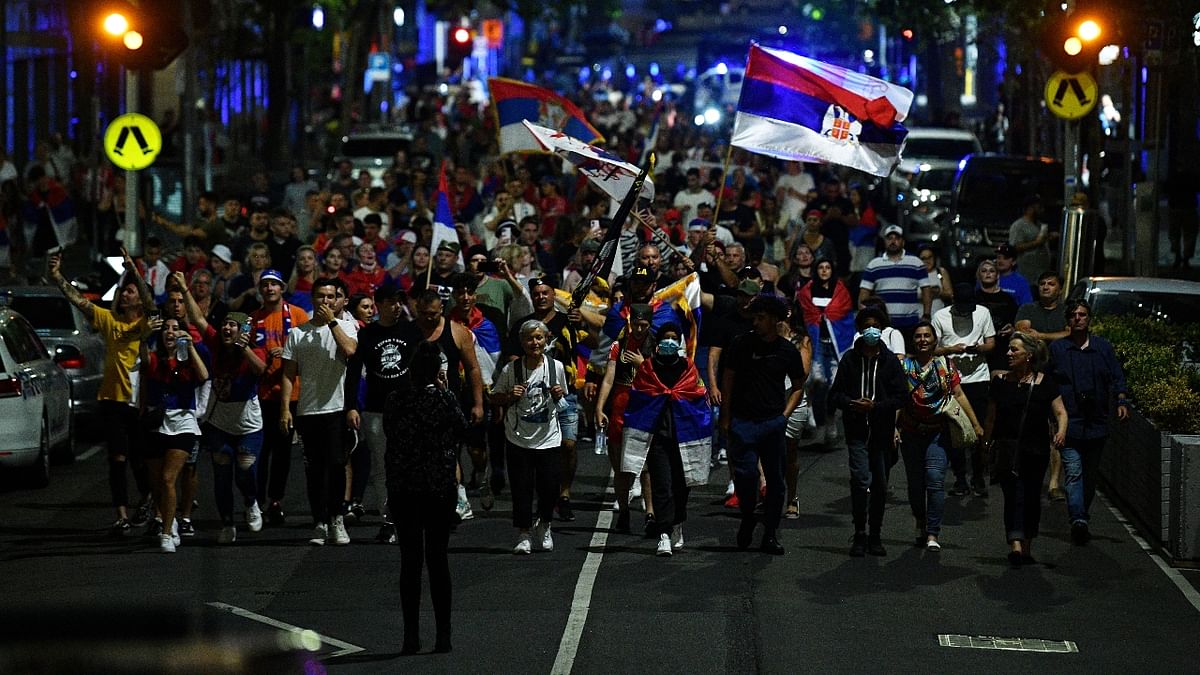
(317, 352)
(966, 335)
(689, 199)
(792, 190)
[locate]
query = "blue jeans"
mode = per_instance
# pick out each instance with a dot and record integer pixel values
(235, 460)
(1081, 464)
(925, 467)
(824, 369)
(751, 442)
(868, 484)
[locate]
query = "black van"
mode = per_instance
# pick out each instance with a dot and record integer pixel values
(988, 192)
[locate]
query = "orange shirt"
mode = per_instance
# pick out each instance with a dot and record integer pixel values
(270, 331)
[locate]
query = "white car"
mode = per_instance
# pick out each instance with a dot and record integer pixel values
(35, 400)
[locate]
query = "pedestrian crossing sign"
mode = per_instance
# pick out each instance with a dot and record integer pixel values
(1071, 95)
(132, 142)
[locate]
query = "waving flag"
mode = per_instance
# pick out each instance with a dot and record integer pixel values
(515, 102)
(605, 170)
(691, 420)
(603, 263)
(794, 107)
(443, 219)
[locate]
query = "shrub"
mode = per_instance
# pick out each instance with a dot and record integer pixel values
(1155, 357)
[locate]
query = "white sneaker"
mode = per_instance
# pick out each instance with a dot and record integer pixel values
(677, 537)
(166, 544)
(524, 545)
(463, 509)
(729, 489)
(228, 535)
(933, 545)
(616, 505)
(664, 545)
(175, 532)
(320, 534)
(541, 534)
(254, 518)
(339, 535)
(635, 490)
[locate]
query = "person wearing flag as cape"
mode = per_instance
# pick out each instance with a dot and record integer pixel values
(668, 431)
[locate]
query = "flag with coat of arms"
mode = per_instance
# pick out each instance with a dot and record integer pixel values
(514, 102)
(605, 170)
(796, 108)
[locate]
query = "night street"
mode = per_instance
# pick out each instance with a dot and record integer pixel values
(708, 609)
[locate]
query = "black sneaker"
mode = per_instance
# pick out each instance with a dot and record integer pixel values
(119, 528)
(153, 528)
(143, 512)
(186, 529)
(875, 546)
(354, 512)
(564, 509)
(771, 545)
(858, 547)
(745, 532)
(979, 489)
(387, 534)
(275, 514)
(959, 490)
(1080, 534)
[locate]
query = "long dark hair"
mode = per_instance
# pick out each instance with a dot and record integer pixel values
(160, 340)
(426, 362)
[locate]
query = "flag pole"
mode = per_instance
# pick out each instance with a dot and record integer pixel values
(608, 247)
(721, 187)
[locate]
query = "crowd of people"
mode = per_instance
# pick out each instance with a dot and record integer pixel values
(329, 311)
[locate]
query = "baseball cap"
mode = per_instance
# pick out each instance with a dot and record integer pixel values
(534, 282)
(405, 235)
(893, 229)
(698, 224)
(272, 275)
(222, 252)
(239, 318)
(590, 246)
(450, 246)
(641, 272)
(1006, 250)
(749, 287)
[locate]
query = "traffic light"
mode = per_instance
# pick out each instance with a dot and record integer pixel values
(139, 38)
(1073, 42)
(461, 42)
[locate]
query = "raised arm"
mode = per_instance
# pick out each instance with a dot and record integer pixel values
(194, 315)
(144, 292)
(72, 294)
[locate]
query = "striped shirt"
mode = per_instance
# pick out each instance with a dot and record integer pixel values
(899, 283)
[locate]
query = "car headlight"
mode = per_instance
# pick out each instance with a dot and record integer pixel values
(970, 237)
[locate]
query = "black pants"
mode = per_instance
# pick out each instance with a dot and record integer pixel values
(977, 396)
(423, 533)
(324, 463)
(529, 471)
(668, 487)
(123, 433)
(275, 460)
(1023, 496)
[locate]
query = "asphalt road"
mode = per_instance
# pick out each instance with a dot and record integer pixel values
(708, 609)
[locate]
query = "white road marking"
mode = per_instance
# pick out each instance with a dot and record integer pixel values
(1173, 574)
(344, 648)
(568, 646)
(89, 454)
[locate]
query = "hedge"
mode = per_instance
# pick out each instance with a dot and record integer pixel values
(1160, 368)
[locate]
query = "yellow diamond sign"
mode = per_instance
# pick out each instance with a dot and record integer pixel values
(132, 141)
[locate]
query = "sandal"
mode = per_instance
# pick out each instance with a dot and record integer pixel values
(793, 510)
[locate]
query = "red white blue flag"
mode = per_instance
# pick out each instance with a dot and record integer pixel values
(797, 108)
(605, 170)
(515, 102)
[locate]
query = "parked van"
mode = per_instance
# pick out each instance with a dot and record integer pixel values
(986, 198)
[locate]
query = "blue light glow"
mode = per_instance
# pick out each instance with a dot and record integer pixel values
(654, 69)
(630, 71)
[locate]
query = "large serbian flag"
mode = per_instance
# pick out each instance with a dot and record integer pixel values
(794, 107)
(691, 421)
(515, 102)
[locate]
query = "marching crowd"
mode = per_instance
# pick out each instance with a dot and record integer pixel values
(328, 311)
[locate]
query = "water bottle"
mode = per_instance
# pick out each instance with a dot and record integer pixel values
(181, 348)
(601, 440)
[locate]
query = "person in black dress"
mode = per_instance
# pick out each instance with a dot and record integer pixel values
(425, 426)
(1021, 401)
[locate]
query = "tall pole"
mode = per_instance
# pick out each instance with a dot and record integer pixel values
(133, 239)
(187, 112)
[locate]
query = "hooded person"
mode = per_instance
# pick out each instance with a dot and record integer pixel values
(668, 429)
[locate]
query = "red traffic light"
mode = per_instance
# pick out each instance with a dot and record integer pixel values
(907, 33)
(462, 35)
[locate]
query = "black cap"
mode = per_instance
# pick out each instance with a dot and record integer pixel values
(642, 273)
(1006, 250)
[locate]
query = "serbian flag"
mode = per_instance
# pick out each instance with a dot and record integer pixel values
(486, 338)
(691, 421)
(605, 170)
(837, 313)
(515, 102)
(679, 302)
(793, 107)
(443, 219)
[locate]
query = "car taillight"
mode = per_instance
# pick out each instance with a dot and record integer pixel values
(73, 362)
(9, 387)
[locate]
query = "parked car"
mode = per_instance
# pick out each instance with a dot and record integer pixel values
(926, 147)
(35, 401)
(1169, 300)
(373, 148)
(719, 87)
(66, 332)
(988, 193)
(924, 201)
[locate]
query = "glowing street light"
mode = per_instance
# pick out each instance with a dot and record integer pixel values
(116, 24)
(132, 39)
(1088, 30)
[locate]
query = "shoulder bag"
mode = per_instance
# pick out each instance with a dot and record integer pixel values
(1006, 452)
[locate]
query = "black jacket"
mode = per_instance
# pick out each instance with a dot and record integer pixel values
(880, 379)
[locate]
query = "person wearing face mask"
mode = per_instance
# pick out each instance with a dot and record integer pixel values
(668, 430)
(870, 388)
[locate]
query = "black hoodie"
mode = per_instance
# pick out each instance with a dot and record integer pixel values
(879, 378)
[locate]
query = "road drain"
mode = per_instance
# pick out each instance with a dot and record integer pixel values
(1008, 644)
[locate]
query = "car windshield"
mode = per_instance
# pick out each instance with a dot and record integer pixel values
(374, 147)
(997, 192)
(45, 313)
(1173, 308)
(952, 149)
(938, 180)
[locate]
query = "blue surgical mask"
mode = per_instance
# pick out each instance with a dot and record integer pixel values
(871, 336)
(668, 347)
